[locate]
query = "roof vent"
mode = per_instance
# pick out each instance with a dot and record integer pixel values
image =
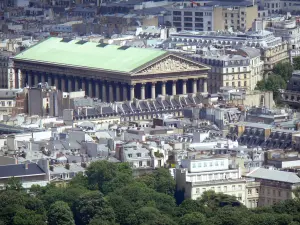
(66, 40)
(102, 45)
(123, 47)
(81, 42)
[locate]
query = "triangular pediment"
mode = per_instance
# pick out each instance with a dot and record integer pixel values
(171, 63)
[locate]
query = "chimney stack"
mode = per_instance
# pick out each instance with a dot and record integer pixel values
(26, 165)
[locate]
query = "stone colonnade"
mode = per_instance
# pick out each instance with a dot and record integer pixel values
(110, 91)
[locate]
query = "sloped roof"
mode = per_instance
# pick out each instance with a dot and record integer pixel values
(275, 175)
(19, 170)
(89, 55)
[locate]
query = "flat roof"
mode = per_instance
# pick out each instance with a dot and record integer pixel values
(89, 54)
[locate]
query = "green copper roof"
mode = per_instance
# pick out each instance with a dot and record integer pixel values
(89, 54)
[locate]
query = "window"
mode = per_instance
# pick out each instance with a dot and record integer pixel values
(2, 103)
(199, 164)
(233, 187)
(188, 13)
(232, 70)
(198, 13)
(245, 83)
(148, 163)
(210, 164)
(279, 193)
(232, 84)
(245, 76)
(225, 14)
(129, 155)
(240, 187)
(194, 165)
(138, 154)
(203, 189)
(249, 192)
(222, 162)
(205, 164)
(257, 191)
(217, 163)
(225, 188)
(197, 190)
(140, 163)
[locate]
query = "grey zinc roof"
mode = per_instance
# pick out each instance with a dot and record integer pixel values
(19, 170)
(275, 175)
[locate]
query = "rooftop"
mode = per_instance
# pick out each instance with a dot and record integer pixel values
(274, 175)
(88, 54)
(19, 170)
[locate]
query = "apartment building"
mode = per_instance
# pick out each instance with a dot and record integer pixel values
(237, 16)
(275, 186)
(239, 67)
(193, 19)
(214, 16)
(212, 173)
(273, 49)
(279, 6)
(285, 27)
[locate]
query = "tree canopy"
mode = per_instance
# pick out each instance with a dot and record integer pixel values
(109, 195)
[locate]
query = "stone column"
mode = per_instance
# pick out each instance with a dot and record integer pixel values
(49, 81)
(70, 84)
(200, 87)
(118, 96)
(204, 85)
(143, 91)
(36, 79)
(195, 86)
(111, 92)
(104, 99)
(125, 91)
(76, 84)
(83, 84)
(29, 78)
(63, 83)
(153, 90)
(43, 78)
(21, 79)
(56, 82)
(90, 83)
(163, 87)
(174, 92)
(183, 86)
(97, 93)
(132, 96)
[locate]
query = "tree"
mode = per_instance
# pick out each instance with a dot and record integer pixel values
(122, 207)
(189, 206)
(214, 200)
(101, 172)
(284, 70)
(90, 205)
(28, 217)
(296, 63)
(263, 219)
(14, 183)
(193, 218)
(11, 201)
(273, 83)
(150, 216)
(60, 214)
(160, 180)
